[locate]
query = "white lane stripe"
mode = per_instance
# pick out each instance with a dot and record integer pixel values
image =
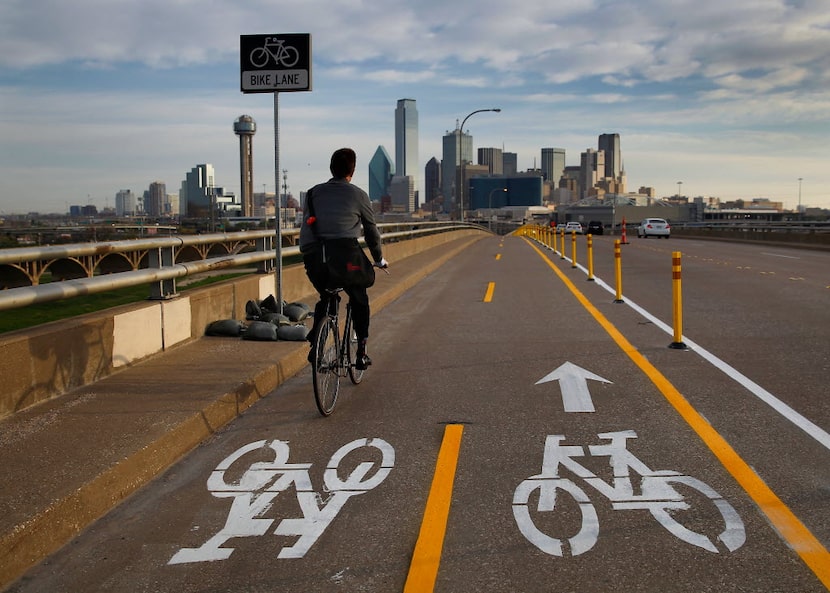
(776, 404)
(780, 255)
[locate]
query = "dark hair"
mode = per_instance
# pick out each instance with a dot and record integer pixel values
(343, 162)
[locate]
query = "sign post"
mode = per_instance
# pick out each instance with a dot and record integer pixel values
(272, 64)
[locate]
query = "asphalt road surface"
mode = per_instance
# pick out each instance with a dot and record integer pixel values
(520, 431)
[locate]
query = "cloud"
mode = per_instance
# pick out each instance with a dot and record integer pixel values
(101, 95)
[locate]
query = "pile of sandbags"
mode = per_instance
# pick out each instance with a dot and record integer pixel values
(264, 322)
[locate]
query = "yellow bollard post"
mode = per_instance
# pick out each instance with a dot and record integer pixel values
(590, 258)
(677, 303)
(618, 270)
(562, 251)
(573, 249)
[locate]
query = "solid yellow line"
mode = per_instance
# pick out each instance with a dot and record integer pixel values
(488, 296)
(794, 532)
(423, 569)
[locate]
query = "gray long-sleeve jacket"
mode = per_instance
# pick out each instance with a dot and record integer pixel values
(342, 211)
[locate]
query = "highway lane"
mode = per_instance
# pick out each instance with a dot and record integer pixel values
(451, 366)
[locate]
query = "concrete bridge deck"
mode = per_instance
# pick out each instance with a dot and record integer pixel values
(69, 460)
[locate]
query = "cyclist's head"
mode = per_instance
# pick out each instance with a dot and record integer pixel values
(343, 162)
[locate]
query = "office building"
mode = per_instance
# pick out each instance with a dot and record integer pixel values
(432, 182)
(125, 203)
(510, 163)
(402, 193)
(381, 170)
(406, 140)
(493, 159)
(155, 198)
(488, 192)
(553, 164)
(245, 128)
(197, 193)
(457, 147)
(610, 144)
(591, 170)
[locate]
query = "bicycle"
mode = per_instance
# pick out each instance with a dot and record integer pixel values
(334, 353)
(274, 47)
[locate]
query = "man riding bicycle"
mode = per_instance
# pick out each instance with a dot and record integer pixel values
(341, 213)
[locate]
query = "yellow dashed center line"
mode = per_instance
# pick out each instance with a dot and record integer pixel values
(423, 569)
(488, 296)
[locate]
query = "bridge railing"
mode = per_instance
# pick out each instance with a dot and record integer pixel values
(163, 270)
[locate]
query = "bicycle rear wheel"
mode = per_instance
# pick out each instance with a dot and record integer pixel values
(355, 374)
(326, 374)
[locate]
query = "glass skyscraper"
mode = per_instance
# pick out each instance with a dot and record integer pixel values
(610, 143)
(197, 193)
(406, 140)
(456, 146)
(553, 164)
(381, 170)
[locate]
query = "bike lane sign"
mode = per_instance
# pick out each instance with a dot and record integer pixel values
(275, 63)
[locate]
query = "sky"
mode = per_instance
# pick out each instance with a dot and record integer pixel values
(729, 99)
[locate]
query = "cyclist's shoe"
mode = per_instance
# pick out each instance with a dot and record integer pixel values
(362, 360)
(312, 354)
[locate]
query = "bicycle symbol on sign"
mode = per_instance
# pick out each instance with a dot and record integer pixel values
(255, 491)
(274, 47)
(658, 495)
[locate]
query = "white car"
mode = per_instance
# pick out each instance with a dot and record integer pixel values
(654, 227)
(574, 227)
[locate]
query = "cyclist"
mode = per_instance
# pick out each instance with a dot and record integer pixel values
(341, 211)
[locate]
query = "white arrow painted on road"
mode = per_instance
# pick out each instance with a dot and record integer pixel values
(573, 381)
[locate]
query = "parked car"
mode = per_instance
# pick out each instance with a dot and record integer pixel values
(560, 227)
(595, 228)
(654, 227)
(574, 227)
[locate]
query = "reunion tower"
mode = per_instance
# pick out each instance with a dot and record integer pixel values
(245, 128)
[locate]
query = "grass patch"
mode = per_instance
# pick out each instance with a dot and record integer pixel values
(40, 313)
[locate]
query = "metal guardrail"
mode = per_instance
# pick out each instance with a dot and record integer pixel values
(163, 271)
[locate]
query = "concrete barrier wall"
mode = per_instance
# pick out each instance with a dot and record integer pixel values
(46, 361)
(809, 239)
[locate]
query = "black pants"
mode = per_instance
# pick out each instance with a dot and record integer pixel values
(318, 274)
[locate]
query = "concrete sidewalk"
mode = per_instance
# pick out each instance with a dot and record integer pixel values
(70, 460)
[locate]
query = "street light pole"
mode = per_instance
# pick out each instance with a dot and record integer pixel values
(461, 159)
(799, 195)
(490, 207)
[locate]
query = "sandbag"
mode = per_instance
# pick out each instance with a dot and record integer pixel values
(295, 312)
(262, 331)
(292, 333)
(225, 327)
(275, 318)
(269, 303)
(252, 310)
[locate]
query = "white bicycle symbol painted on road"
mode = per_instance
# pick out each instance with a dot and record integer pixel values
(274, 47)
(657, 495)
(255, 491)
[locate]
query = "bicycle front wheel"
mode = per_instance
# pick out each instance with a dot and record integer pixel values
(355, 374)
(326, 373)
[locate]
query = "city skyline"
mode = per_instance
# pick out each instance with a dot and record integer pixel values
(729, 99)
